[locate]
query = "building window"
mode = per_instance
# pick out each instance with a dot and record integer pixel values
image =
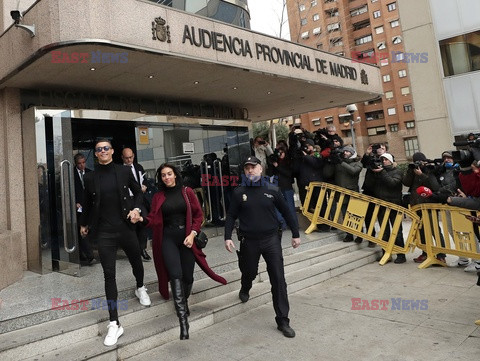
(301, 7)
(407, 108)
(391, 6)
(389, 94)
(303, 21)
(358, 11)
(391, 111)
(383, 62)
(361, 24)
(374, 1)
(376, 131)
(329, 119)
(405, 90)
(305, 35)
(381, 45)
(320, 46)
(336, 41)
(374, 115)
(316, 31)
(333, 27)
(377, 14)
(410, 124)
(379, 29)
(331, 12)
(460, 54)
(393, 127)
(402, 73)
(329, 1)
(316, 121)
(397, 39)
(394, 23)
(399, 56)
(386, 78)
(411, 146)
(316, 17)
(363, 40)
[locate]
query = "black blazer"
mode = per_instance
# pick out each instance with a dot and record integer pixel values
(138, 169)
(91, 199)
(78, 185)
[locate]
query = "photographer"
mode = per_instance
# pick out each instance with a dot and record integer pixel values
(420, 174)
(344, 169)
(280, 165)
(371, 160)
(387, 186)
(310, 170)
(262, 150)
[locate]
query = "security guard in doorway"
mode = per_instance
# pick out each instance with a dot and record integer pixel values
(254, 203)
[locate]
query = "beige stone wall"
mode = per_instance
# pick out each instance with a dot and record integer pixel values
(432, 120)
(13, 255)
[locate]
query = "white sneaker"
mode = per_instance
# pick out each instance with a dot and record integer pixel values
(472, 267)
(462, 262)
(113, 333)
(142, 296)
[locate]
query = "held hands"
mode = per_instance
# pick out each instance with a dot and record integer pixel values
(188, 242)
(83, 231)
(134, 216)
(229, 245)
(295, 242)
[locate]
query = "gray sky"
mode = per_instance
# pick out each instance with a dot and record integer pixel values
(266, 16)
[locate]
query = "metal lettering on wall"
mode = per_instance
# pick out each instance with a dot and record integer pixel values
(204, 38)
(80, 100)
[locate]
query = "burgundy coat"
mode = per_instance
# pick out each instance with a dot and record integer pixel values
(193, 221)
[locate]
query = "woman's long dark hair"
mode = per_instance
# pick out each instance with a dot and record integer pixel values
(158, 176)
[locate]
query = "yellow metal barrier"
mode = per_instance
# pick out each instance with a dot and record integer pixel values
(327, 210)
(445, 229)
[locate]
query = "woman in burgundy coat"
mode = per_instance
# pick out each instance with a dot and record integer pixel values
(175, 217)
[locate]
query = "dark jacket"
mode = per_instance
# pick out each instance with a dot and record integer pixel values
(284, 172)
(344, 174)
(387, 184)
(91, 200)
(79, 185)
(413, 181)
(310, 170)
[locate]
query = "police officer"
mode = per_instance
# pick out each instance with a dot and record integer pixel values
(254, 203)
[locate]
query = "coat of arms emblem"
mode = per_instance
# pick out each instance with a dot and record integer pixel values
(364, 77)
(160, 31)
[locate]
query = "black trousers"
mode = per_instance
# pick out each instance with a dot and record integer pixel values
(108, 243)
(391, 219)
(179, 260)
(84, 244)
(270, 249)
(142, 233)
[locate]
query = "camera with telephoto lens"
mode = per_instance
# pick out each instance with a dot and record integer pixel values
(375, 147)
(465, 157)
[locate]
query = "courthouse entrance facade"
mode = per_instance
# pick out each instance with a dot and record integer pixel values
(171, 85)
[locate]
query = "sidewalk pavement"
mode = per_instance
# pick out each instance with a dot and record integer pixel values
(328, 328)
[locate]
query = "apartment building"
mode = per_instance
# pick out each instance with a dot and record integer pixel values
(365, 31)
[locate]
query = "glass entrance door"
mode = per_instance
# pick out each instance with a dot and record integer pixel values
(58, 222)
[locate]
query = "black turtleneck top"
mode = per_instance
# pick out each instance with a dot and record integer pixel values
(174, 209)
(111, 208)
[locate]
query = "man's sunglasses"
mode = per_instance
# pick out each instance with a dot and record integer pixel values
(106, 148)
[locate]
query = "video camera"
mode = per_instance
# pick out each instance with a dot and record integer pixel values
(465, 157)
(428, 164)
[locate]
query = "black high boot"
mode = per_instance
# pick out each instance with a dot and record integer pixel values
(188, 290)
(180, 306)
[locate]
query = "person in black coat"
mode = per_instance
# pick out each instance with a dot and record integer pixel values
(139, 173)
(86, 253)
(107, 210)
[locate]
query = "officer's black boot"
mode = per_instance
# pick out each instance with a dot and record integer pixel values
(188, 290)
(180, 306)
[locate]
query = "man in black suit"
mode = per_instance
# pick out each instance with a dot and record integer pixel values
(86, 253)
(107, 210)
(138, 172)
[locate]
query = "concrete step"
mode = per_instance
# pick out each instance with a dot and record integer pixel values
(220, 264)
(80, 336)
